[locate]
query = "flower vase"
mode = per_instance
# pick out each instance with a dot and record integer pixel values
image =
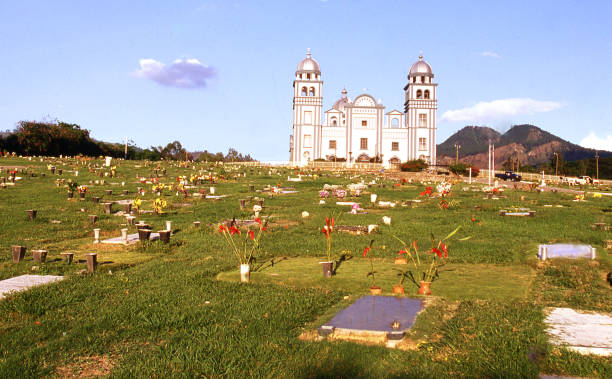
(376, 290)
(245, 273)
(327, 269)
(424, 288)
(398, 289)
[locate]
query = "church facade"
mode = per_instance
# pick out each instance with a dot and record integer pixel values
(359, 130)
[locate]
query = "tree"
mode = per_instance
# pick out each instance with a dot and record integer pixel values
(173, 150)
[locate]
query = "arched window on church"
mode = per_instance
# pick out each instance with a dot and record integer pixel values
(304, 91)
(414, 79)
(422, 79)
(307, 76)
(334, 121)
(426, 95)
(395, 122)
(312, 91)
(419, 94)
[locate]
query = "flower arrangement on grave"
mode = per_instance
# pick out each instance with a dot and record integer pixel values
(374, 289)
(428, 192)
(158, 188)
(82, 189)
(113, 171)
(181, 188)
(328, 229)
(443, 188)
(436, 256)
(72, 186)
(159, 205)
(340, 193)
(323, 194)
(244, 247)
(447, 204)
(136, 204)
(579, 198)
(402, 275)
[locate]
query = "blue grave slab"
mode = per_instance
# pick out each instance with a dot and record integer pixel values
(377, 314)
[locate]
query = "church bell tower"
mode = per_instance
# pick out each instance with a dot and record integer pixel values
(420, 111)
(305, 143)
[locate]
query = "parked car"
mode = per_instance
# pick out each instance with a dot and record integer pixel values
(509, 175)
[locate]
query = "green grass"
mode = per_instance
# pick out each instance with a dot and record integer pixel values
(177, 310)
(456, 282)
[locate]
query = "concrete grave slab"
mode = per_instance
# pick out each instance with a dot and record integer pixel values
(131, 239)
(24, 282)
(583, 332)
(566, 250)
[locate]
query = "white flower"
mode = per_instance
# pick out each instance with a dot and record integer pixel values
(256, 208)
(305, 214)
(387, 220)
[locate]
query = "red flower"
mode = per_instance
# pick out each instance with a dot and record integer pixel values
(415, 246)
(258, 220)
(401, 252)
(327, 221)
(332, 222)
(234, 230)
(222, 228)
(365, 251)
(473, 219)
(437, 251)
(325, 231)
(444, 249)
(37, 322)
(251, 235)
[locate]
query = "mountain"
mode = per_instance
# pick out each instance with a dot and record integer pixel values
(532, 145)
(471, 139)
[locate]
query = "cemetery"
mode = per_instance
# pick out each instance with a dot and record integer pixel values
(199, 269)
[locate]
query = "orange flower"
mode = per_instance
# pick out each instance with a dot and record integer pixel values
(251, 235)
(444, 249)
(222, 228)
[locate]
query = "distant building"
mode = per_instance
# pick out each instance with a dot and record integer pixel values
(359, 130)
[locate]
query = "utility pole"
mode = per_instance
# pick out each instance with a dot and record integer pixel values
(457, 147)
(557, 165)
(518, 161)
(597, 164)
(126, 140)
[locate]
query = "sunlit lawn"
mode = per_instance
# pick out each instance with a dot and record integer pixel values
(178, 309)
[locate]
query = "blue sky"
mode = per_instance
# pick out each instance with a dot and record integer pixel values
(218, 74)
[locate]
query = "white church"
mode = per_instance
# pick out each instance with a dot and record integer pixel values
(359, 130)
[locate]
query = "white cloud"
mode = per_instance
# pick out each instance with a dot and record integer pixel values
(490, 54)
(592, 141)
(182, 73)
(499, 109)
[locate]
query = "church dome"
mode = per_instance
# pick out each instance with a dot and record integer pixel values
(308, 65)
(341, 102)
(421, 67)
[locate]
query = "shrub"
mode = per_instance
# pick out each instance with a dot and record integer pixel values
(414, 166)
(463, 169)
